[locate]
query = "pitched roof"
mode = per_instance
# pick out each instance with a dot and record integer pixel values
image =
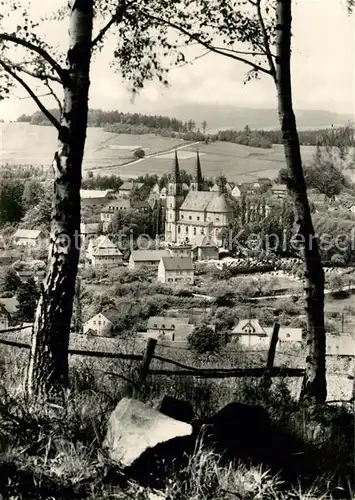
(197, 200)
(94, 193)
(254, 323)
(166, 322)
(31, 234)
(110, 314)
(149, 255)
(214, 188)
(178, 263)
(128, 186)
(103, 243)
(175, 171)
(11, 304)
(219, 204)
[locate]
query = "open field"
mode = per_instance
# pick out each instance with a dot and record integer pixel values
(106, 153)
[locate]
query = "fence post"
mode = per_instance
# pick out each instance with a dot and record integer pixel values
(266, 380)
(272, 347)
(143, 369)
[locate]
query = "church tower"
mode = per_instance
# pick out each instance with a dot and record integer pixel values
(197, 181)
(174, 200)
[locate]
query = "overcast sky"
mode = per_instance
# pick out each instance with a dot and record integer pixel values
(323, 71)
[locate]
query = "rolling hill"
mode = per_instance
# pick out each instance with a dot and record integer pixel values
(109, 153)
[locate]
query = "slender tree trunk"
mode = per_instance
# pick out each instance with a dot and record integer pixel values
(48, 367)
(314, 384)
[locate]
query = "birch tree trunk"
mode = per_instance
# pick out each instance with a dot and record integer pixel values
(48, 366)
(314, 384)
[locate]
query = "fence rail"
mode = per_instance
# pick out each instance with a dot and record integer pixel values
(182, 369)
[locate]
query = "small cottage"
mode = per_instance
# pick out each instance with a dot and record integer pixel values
(249, 333)
(28, 237)
(103, 252)
(101, 324)
(176, 270)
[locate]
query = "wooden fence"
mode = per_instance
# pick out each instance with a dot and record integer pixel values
(181, 369)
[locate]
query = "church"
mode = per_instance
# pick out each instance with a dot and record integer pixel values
(198, 216)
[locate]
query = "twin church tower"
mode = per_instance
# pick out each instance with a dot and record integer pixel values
(198, 215)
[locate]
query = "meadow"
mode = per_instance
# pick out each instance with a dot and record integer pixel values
(109, 153)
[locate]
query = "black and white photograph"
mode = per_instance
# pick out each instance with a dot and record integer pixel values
(177, 250)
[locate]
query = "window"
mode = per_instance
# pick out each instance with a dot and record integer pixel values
(187, 229)
(163, 326)
(194, 231)
(95, 323)
(217, 219)
(198, 218)
(202, 231)
(179, 228)
(288, 336)
(182, 216)
(155, 325)
(190, 217)
(173, 326)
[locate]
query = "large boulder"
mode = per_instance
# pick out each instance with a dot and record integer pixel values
(141, 438)
(175, 408)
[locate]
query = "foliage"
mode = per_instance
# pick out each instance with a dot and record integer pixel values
(9, 280)
(11, 207)
(204, 340)
(139, 153)
(27, 295)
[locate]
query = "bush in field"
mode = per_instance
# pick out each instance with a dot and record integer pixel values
(204, 340)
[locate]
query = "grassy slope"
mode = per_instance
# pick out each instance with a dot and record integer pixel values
(23, 143)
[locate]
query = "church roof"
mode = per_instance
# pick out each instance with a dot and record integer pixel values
(219, 204)
(197, 200)
(206, 201)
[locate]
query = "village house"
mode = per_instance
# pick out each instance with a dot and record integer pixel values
(175, 270)
(205, 251)
(28, 237)
(128, 188)
(249, 333)
(340, 345)
(95, 197)
(163, 193)
(170, 329)
(287, 334)
(103, 252)
(109, 211)
(150, 258)
(279, 190)
(101, 324)
(180, 250)
(236, 193)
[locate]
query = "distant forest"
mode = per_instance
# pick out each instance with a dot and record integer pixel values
(138, 124)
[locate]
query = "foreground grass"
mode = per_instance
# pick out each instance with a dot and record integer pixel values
(51, 452)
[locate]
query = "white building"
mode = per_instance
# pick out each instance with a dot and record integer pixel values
(95, 197)
(150, 258)
(340, 345)
(174, 270)
(249, 333)
(101, 324)
(103, 252)
(90, 228)
(287, 334)
(128, 188)
(4, 318)
(236, 193)
(28, 237)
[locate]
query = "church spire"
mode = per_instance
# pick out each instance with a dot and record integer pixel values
(175, 173)
(196, 184)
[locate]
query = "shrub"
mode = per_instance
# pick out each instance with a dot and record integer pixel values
(204, 340)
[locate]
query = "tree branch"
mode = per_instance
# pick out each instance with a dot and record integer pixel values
(266, 40)
(207, 45)
(44, 110)
(39, 76)
(43, 53)
(116, 18)
(54, 95)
